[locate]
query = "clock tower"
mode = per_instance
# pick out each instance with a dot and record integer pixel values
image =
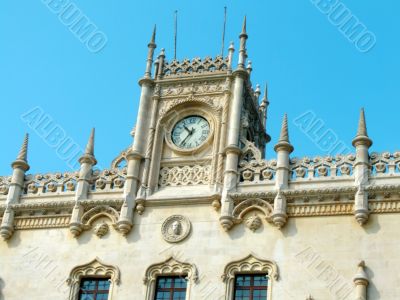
(197, 120)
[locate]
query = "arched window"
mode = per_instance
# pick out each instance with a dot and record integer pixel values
(249, 278)
(170, 279)
(94, 280)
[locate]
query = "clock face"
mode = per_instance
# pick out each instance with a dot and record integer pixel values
(190, 132)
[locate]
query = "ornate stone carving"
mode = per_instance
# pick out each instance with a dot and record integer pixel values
(242, 209)
(249, 264)
(187, 67)
(197, 87)
(211, 102)
(175, 228)
(185, 175)
(340, 165)
(94, 268)
(101, 229)
(51, 182)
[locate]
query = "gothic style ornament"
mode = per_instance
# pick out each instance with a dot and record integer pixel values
(175, 228)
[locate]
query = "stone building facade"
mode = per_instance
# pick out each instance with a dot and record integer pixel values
(194, 209)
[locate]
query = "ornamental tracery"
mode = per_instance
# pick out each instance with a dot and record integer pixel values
(95, 268)
(249, 264)
(177, 68)
(170, 267)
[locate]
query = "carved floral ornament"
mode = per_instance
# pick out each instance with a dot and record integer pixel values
(170, 267)
(249, 264)
(95, 268)
(175, 228)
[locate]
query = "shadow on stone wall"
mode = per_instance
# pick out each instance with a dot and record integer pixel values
(2, 284)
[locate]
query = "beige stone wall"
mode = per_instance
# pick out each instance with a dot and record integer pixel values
(35, 263)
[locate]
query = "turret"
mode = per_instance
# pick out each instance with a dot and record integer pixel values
(283, 149)
(87, 161)
(361, 170)
(20, 166)
(151, 46)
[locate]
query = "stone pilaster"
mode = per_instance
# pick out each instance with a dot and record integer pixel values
(20, 166)
(283, 149)
(361, 170)
(361, 282)
(232, 151)
(87, 161)
(137, 153)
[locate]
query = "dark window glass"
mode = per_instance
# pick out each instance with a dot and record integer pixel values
(171, 288)
(94, 289)
(251, 287)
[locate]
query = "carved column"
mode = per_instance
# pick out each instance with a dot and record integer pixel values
(283, 148)
(137, 153)
(232, 151)
(361, 170)
(20, 166)
(361, 282)
(87, 161)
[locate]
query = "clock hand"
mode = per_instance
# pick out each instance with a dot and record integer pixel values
(187, 129)
(189, 134)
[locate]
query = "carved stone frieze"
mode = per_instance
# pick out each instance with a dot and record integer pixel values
(187, 67)
(197, 87)
(185, 175)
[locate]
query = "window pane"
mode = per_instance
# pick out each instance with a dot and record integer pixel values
(94, 289)
(171, 288)
(251, 287)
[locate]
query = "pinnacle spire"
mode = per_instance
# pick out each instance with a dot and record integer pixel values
(283, 142)
(88, 156)
(362, 126)
(23, 152)
(22, 158)
(90, 145)
(244, 26)
(153, 36)
(266, 91)
(362, 134)
(284, 135)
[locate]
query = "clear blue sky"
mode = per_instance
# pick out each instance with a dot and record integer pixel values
(308, 63)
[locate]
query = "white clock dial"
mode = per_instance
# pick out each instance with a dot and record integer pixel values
(190, 132)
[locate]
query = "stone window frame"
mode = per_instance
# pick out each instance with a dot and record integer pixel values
(94, 269)
(249, 265)
(169, 267)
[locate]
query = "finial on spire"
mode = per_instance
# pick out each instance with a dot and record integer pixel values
(283, 142)
(23, 152)
(266, 92)
(153, 36)
(90, 145)
(244, 27)
(88, 156)
(284, 135)
(22, 158)
(362, 134)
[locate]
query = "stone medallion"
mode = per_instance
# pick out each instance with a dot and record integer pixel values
(175, 228)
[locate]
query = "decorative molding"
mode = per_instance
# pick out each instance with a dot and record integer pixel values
(325, 209)
(170, 267)
(95, 268)
(175, 228)
(39, 222)
(249, 264)
(187, 67)
(179, 89)
(184, 175)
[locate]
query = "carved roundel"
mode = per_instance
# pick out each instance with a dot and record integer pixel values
(175, 228)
